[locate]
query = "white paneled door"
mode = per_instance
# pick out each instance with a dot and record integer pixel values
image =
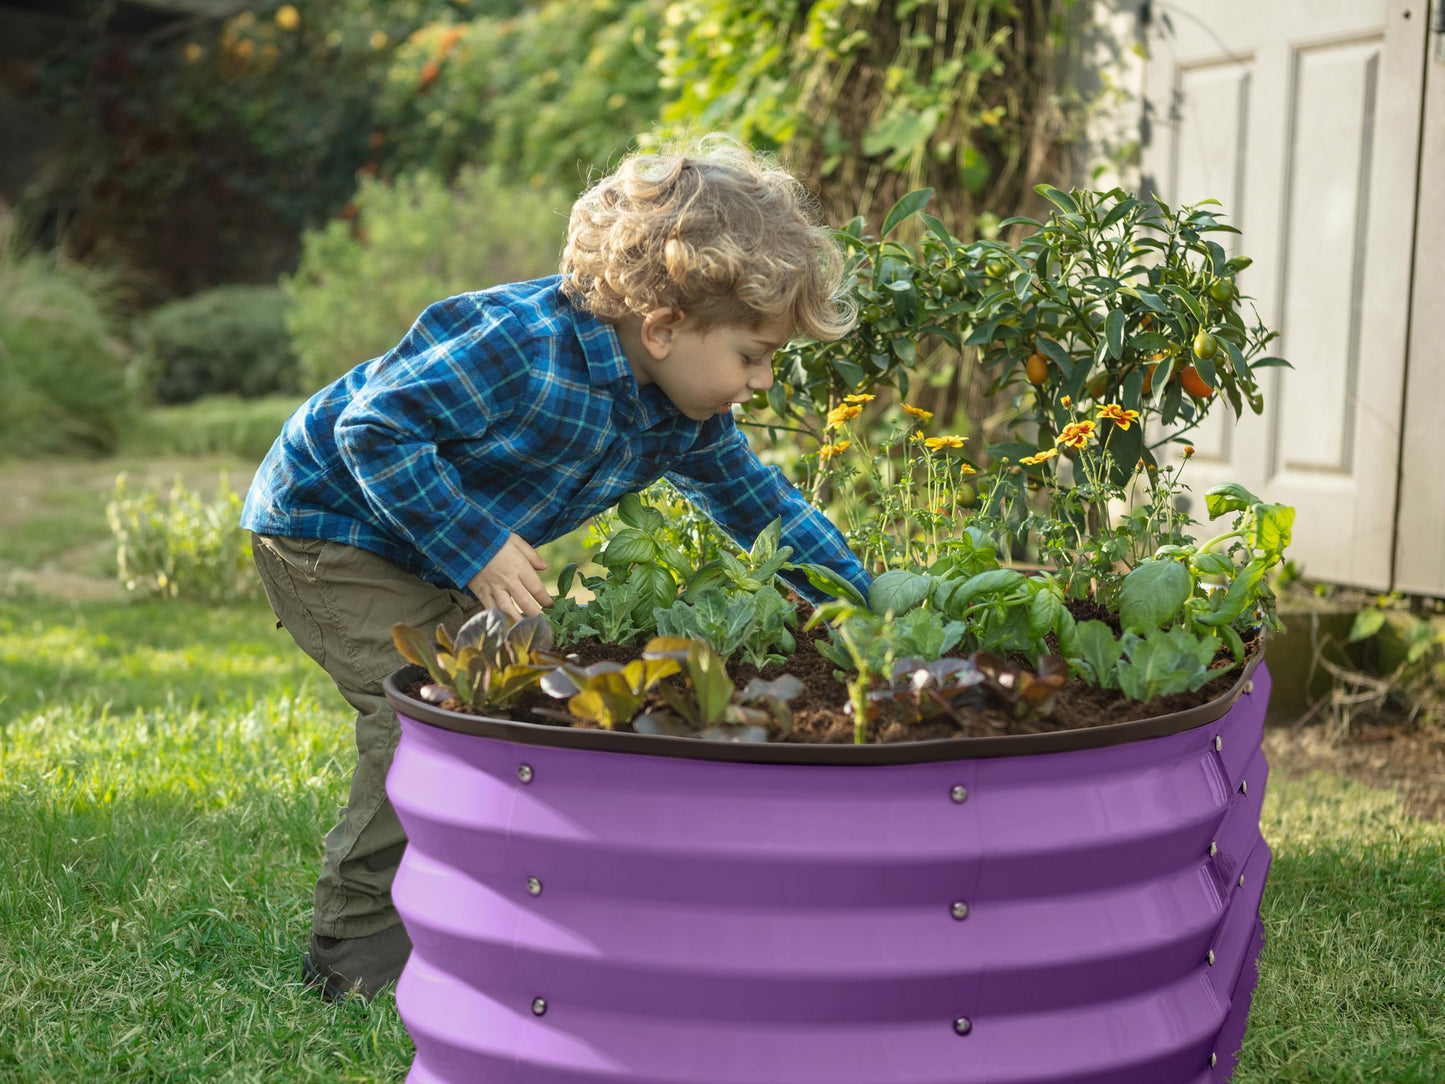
(1303, 118)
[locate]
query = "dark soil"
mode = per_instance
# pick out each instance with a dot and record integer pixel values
(819, 714)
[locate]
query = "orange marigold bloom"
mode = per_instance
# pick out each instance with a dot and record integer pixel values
(828, 451)
(1115, 413)
(935, 443)
(1042, 457)
(859, 397)
(918, 412)
(1076, 435)
(1066, 402)
(840, 414)
(1188, 450)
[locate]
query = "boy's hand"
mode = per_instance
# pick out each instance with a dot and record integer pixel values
(509, 581)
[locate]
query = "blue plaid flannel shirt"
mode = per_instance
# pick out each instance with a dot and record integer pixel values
(510, 410)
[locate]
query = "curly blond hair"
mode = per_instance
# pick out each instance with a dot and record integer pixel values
(712, 229)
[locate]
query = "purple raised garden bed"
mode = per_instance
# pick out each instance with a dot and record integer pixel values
(589, 906)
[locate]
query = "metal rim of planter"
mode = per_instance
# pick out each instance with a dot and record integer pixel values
(915, 752)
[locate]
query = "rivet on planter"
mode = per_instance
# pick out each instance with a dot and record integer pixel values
(539, 1006)
(1213, 848)
(1244, 786)
(1249, 685)
(963, 1025)
(1241, 880)
(959, 794)
(534, 886)
(1213, 1059)
(1218, 744)
(960, 910)
(1210, 957)
(524, 773)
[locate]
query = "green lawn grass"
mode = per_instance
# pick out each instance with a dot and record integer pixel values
(167, 772)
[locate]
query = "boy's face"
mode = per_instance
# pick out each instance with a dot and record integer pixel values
(706, 372)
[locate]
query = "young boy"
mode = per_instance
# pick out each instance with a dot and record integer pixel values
(414, 488)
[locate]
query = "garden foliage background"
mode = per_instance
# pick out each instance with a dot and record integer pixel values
(370, 158)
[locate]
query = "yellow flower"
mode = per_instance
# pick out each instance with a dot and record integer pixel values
(245, 47)
(1188, 451)
(840, 414)
(1042, 457)
(194, 53)
(828, 451)
(917, 436)
(1118, 415)
(964, 468)
(860, 397)
(918, 412)
(287, 17)
(1076, 435)
(378, 39)
(1066, 402)
(935, 443)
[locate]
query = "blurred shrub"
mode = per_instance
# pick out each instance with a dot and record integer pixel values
(63, 389)
(230, 340)
(361, 285)
(216, 425)
(184, 547)
(550, 94)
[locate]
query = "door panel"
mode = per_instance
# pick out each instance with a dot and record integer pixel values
(1303, 120)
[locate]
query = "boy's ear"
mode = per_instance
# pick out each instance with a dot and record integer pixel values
(659, 328)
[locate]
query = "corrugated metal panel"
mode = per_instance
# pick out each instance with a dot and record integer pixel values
(697, 922)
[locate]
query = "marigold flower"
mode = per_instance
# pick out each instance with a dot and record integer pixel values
(1042, 457)
(1076, 435)
(1188, 450)
(935, 443)
(828, 451)
(194, 52)
(287, 17)
(918, 412)
(964, 468)
(1066, 402)
(1115, 413)
(859, 397)
(840, 414)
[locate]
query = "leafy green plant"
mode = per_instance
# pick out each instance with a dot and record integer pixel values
(184, 546)
(756, 626)
(493, 659)
(229, 340)
(707, 705)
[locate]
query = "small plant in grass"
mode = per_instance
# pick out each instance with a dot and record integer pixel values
(184, 546)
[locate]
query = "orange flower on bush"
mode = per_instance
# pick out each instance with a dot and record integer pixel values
(935, 443)
(840, 414)
(859, 397)
(1076, 435)
(918, 412)
(1115, 413)
(1066, 402)
(287, 17)
(1042, 457)
(828, 451)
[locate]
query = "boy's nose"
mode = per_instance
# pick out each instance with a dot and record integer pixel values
(763, 380)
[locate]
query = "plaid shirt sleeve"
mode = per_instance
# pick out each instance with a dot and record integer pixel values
(451, 377)
(725, 479)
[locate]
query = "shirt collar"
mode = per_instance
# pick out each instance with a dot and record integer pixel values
(608, 367)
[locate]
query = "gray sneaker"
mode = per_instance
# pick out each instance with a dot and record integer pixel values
(339, 966)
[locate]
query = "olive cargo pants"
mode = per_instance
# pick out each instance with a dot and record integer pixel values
(339, 603)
